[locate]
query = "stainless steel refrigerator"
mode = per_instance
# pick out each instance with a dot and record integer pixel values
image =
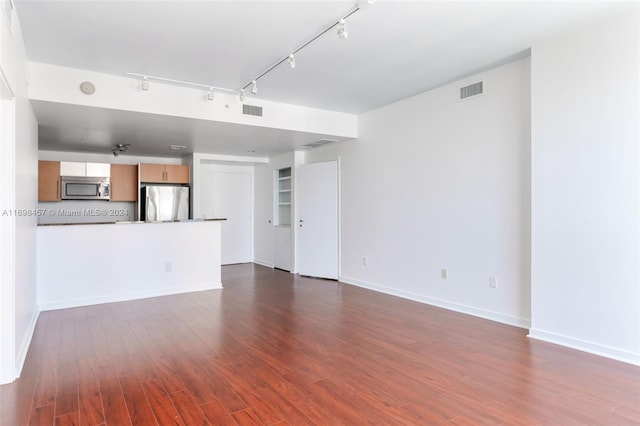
(161, 202)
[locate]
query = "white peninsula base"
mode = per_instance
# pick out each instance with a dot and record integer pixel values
(81, 265)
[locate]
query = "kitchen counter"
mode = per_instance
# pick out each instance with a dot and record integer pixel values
(106, 262)
(133, 222)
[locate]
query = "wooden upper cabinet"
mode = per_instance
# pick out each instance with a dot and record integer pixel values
(152, 172)
(177, 173)
(124, 182)
(49, 181)
(164, 173)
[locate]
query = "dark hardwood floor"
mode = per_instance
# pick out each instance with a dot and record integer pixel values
(276, 349)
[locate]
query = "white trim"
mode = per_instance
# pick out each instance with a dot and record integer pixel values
(123, 297)
(585, 346)
(24, 348)
(264, 263)
(9, 19)
(231, 159)
(470, 310)
(7, 232)
(339, 212)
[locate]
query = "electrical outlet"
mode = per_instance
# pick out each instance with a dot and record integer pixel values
(167, 267)
(444, 274)
(364, 261)
(493, 282)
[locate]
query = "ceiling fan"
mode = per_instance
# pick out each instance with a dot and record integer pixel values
(120, 148)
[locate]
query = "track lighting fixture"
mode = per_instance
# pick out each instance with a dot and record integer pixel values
(343, 34)
(291, 61)
(342, 29)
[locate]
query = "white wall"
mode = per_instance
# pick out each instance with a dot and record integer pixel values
(105, 158)
(432, 183)
(264, 241)
(226, 191)
(585, 177)
(82, 265)
(60, 84)
(18, 156)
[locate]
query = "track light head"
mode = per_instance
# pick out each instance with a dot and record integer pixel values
(254, 87)
(145, 83)
(241, 97)
(342, 29)
(210, 94)
(291, 62)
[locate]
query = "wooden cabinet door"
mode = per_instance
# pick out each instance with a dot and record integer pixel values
(152, 172)
(124, 182)
(48, 181)
(177, 173)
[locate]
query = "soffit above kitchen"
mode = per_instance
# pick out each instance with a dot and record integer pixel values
(77, 128)
(395, 49)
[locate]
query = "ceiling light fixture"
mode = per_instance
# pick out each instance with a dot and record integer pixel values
(291, 62)
(120, 149)
(177, 147)
(208, 87)
(343, 33)
(289, 59)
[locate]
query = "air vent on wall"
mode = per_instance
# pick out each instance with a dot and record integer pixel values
(321, 142)
(252, 110)
(471, 90)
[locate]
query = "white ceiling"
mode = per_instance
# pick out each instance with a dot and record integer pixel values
(395, 49)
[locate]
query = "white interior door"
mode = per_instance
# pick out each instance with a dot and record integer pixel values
(317, 202)
(231, 198)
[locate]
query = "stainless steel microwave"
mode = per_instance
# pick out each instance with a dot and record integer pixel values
(85, 188)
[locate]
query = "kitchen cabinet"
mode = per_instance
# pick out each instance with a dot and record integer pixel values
(72, 168)
(48, 181)
(164, 173)
(124, 182)
(98, 169)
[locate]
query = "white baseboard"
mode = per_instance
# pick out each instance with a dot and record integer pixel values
(586, 346)
(123, 297)
(263, 263)
(470, 310)
(26, 342)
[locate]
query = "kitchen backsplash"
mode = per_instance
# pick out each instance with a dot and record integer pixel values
(83, 211)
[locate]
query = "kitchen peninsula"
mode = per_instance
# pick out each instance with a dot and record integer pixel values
(87, 264)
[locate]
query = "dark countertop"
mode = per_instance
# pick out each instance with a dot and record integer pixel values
(133, 222)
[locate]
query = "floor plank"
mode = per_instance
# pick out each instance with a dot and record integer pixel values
(272, 348)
